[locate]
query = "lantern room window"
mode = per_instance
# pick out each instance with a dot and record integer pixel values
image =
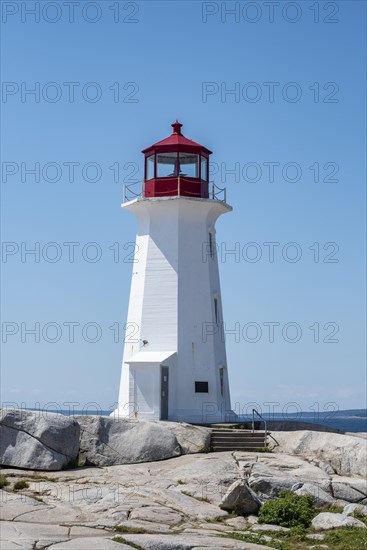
(150, 168)
(189, 165)
(204, 168)
(167, 165)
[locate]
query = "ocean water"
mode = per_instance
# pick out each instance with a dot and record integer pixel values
(354, 420)
(347, 421)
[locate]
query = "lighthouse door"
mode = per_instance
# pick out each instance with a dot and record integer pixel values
(164, 393)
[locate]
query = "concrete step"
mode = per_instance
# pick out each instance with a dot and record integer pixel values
(247, 432)
(237, 440)
(242, 449)
(259, 443)
(234, 438)
(237, 434)
(240, 436)
(243, 443)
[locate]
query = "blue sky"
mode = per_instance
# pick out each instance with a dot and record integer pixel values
(181, 60)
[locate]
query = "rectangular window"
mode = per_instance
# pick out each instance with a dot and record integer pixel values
(216, 310)
(150, 168)
(201, 387)
(167, 165)
(189, 165)
(211, 245)
(221, 378)
(204, 168)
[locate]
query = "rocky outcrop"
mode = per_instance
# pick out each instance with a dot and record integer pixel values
(327, 466)
(96, 543)
(173, 503)
(47, 441)
(320, 497)
(343, 455)
(269, 473)
(350, 489)
(327, 520)
(156, 514)
(106, 441)
(37, 440)
(241, 499)
(189, 541)
(192, 439)
(351, 508)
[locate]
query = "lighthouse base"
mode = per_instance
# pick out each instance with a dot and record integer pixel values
(154, 390)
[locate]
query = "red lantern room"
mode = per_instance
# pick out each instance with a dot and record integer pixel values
(176, 166)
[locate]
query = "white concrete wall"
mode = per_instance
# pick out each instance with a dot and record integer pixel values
(172, 297)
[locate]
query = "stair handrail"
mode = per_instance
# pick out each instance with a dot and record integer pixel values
(273, 438)
(254, 411)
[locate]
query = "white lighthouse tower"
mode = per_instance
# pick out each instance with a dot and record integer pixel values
(174, 365)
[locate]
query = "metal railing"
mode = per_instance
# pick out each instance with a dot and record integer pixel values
(254, 411)
(216, 192)
(130, 193)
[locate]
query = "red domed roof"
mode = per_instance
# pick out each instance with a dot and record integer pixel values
(177, 142)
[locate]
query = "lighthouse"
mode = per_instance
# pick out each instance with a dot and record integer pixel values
(174, 362)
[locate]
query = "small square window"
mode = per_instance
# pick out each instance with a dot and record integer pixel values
(201, 387)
